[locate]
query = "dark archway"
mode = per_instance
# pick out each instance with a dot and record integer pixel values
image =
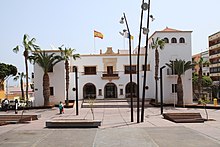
(89, 91)
(110, 90)
(128, 89)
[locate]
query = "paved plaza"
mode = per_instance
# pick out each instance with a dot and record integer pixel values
(116, 129)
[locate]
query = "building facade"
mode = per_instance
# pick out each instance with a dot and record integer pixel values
(205, 67)
(106, 75)
(214, 56)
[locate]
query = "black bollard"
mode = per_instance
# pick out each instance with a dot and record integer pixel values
(16, 106)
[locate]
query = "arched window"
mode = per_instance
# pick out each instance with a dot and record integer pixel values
(173, 40)
(182, 40)
(166, 40)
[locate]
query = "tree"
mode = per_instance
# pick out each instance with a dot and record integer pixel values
(28, 45)
(157, 44)
(21, 76)
(180, 67)
(67, 53)
(6, 70)
(206, 84)
(46, 62)
(201, 63)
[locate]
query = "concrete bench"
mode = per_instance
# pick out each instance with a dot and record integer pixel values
(15, 118)
(184, 117)
(73, 123)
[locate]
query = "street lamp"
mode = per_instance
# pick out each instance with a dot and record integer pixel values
(131, 84)
(76, 89)
(143, 7)
(161, 89)
(146, 32)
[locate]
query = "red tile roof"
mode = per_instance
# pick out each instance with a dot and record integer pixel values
(170, 30)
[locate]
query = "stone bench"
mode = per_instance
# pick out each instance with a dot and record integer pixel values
(15, 118)
(73, 123)
(184, 117)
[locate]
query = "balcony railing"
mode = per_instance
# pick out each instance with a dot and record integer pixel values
(214, 46)
(110, 75)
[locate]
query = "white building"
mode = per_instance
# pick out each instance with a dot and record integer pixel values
(106, 75)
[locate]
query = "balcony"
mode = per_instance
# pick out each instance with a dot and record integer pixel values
(214, 74)
(214, 64)
(110, 75)
(213, 56)
(215, 46)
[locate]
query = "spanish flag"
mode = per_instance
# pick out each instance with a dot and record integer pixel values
(127, 36)
(98, 34)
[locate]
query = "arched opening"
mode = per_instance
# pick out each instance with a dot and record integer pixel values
(166, 40)
(110, 90)
(182, 40)
(128, 90)
(89, 91)
(173, 40)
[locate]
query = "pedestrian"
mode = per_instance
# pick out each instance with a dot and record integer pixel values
(6, 104)
(61, 107)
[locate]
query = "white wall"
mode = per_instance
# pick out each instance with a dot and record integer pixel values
(170, 52)
(56, 80)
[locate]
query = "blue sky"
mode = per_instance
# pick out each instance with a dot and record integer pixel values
(71, 22)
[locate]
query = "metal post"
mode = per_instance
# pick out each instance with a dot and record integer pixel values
(161, 89)
(76, 82)
(145, 65)
(138, 64)
(130, 61)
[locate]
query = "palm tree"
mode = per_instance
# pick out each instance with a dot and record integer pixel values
(157, 44)
(21, 76)
(67, 53)
(180, 67)
(201, 63)
(28, 45)
(46, 62)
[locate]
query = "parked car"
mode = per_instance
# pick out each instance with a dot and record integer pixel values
(11, 104)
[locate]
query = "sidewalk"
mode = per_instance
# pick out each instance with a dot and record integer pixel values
(116, 129)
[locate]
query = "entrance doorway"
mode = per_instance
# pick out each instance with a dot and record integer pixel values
(128, 90)
(110, 90)
(89, 91)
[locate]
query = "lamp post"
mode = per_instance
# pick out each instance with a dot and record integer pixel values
(161, 89)
(144, 7)
(76, 89)
(130, 61)
(145, 31)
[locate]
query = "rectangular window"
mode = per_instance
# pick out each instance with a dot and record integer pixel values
(148, 67)
(100, 91)
(109, 70)
(51, 91)
(90, 70)
(174, 88)
(133, 69)
(121, 91)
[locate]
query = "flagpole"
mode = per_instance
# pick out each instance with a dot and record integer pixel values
(124, 42)
(133, 45)
(94, 46)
